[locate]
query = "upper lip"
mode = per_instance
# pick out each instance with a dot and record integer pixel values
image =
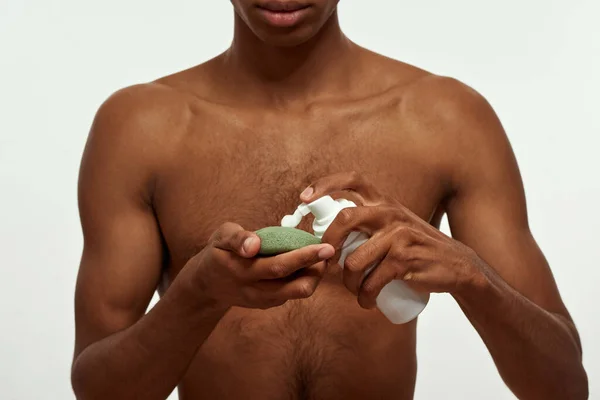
(283, 6)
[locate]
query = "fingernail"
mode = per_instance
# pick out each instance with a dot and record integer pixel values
(248, 244)
(326, 252)
(307, 192)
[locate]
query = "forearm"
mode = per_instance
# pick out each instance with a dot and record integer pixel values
(536, 352)
(148, 359)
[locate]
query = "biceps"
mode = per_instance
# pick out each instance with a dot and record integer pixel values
(119, 272)
(487, 210)
(496, 228)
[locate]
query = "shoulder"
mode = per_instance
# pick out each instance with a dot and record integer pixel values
(131, 138)
(144, 109)
(458, 127)
(139, 122)
(452, 107)
(431, 100)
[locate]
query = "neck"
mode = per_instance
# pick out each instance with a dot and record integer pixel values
(284, 75)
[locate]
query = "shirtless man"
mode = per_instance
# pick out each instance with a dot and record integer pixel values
(178, 173)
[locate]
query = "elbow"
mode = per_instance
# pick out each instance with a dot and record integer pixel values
(579, 379)
(575, 383)
(79, 380)
(84, 381)
(578, 384)
(91, 382)
(580, 389)
(571, 383)
(574, 386)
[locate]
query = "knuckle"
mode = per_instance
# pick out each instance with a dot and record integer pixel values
(212, 252)
(216, 255)
(352, 263)
(345, 217)
(403, 231)
(405, 234)
(238, 236)
(277, 270)
(369, 289)
(234, 240)
(397, 254)
(216, 236)
(370, 250)
(307, 258)
(219, 235)
(305, 289)
(226, 227)
(416, 236)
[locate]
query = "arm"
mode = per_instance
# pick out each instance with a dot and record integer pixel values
(494, 269)
(516, 307)
(119, 352)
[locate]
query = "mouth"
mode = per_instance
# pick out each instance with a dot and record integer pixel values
(283, 6)
(283, 14)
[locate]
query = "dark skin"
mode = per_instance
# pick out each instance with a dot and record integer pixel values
(177, 174)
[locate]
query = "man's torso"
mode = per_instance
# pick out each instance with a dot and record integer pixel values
(248, 165)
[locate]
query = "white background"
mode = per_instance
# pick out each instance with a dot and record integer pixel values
(536, 61)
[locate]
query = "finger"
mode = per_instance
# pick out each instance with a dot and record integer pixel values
(364, 219)
(232, 237)
(350, 181)
(285, 264)
(384, 273)
(360, 262)
(300, 287)
(354, 197)
(316, 270)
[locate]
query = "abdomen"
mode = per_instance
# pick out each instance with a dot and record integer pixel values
(325, 347)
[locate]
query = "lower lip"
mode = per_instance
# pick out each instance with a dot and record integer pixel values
(283, 19)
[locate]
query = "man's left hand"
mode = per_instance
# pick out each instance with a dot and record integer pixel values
(406, 247)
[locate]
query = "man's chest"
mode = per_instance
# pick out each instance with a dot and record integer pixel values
(252, 171)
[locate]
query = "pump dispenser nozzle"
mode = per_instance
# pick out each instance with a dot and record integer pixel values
(325, 209)
(292, 221)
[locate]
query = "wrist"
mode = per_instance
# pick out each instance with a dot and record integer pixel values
(478, 282)
(193, 287)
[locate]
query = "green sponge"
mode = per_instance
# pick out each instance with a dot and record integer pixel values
(279, 239)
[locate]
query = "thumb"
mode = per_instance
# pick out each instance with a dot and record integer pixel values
(232, 237)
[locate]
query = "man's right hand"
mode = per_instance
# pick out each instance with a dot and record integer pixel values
(229, 272)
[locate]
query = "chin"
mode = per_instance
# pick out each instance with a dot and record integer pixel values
(279, 29)
(291, 38)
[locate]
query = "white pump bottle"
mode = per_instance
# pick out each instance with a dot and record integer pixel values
(399, 303)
